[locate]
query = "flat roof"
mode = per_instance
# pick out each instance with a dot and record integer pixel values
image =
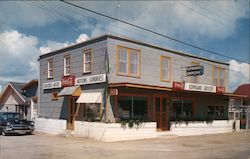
(105, 37)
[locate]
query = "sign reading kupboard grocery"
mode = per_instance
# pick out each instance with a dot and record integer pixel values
(68, 81)
(178, 86)
(91, 79)
(50, 85)
(197, 70)
(199, 87)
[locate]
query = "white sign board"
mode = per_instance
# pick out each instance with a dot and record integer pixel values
(50, 85)
(91, 79)
(199, 87)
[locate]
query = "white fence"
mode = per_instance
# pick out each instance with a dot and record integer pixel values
(201, 128)
(96, 130)
(50, 126)
(117, 132)
(114, 131)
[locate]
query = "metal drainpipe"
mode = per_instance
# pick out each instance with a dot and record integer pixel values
(132, 107)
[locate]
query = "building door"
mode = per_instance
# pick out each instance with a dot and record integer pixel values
(161, 112)
(71, 112)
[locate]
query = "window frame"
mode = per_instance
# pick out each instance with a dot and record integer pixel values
(84, 60)
(219, 70)
(161, 68)
(64, 65)
(49, 76)
(181, 98)
(128, 72)
(216, 108)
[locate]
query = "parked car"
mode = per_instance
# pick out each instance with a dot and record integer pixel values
(14, 123)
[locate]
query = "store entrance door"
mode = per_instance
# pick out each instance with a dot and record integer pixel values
(161, 112)
(71, 112)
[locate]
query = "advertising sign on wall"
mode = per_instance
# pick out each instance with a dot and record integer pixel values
(50, 85)
(178, 86)
(199, 87)
(220, 90)
(91, 79)
(195, 70)
(68, 81)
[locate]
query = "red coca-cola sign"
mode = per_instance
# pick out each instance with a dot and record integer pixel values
(220, 90)
(68, 81)
(179, 86)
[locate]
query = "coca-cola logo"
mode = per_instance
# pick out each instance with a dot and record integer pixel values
(178, 85)
(220, 90)
(68, 81)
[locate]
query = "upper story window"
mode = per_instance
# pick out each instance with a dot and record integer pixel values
(219, 76)
(194, 79)
(66, 65)
(165, 68)
(128, 62)
(50, 68)
(87, 60)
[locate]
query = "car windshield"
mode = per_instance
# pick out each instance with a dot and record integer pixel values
(9, 116)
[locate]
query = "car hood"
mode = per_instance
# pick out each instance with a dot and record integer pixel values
(19, 121)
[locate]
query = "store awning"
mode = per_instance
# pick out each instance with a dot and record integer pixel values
(70, 91)
(95, 97)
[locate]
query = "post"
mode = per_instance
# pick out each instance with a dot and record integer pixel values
(247, 118)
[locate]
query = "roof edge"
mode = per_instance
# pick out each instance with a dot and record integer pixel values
(106, 36)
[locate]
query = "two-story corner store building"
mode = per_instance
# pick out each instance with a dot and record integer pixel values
(111, 78)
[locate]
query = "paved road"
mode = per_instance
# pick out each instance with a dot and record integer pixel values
(41, 146)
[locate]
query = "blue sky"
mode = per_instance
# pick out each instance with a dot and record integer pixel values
(28, 29)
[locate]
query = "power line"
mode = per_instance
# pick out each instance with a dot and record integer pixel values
(204, 15)
(106, 28)
(225, 18)
(154, 32)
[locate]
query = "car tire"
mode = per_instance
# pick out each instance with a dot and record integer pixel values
(3, 132)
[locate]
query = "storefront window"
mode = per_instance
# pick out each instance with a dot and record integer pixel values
(215, 111)
(182, 109)
(88, 112)
(132, 107)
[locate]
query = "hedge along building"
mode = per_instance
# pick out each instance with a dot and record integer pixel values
(111, 79)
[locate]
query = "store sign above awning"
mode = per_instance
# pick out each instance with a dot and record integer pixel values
(68, 81)
(199, 87)
(197, 70)
(50, 85)
(91, 79)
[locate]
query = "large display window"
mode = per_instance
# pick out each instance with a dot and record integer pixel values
(182, 109)
(132, 107)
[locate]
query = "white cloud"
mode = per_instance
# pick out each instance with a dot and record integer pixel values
(53, 45)
(239, 74)
(178, 19)
(18, 54)
(82, 38)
